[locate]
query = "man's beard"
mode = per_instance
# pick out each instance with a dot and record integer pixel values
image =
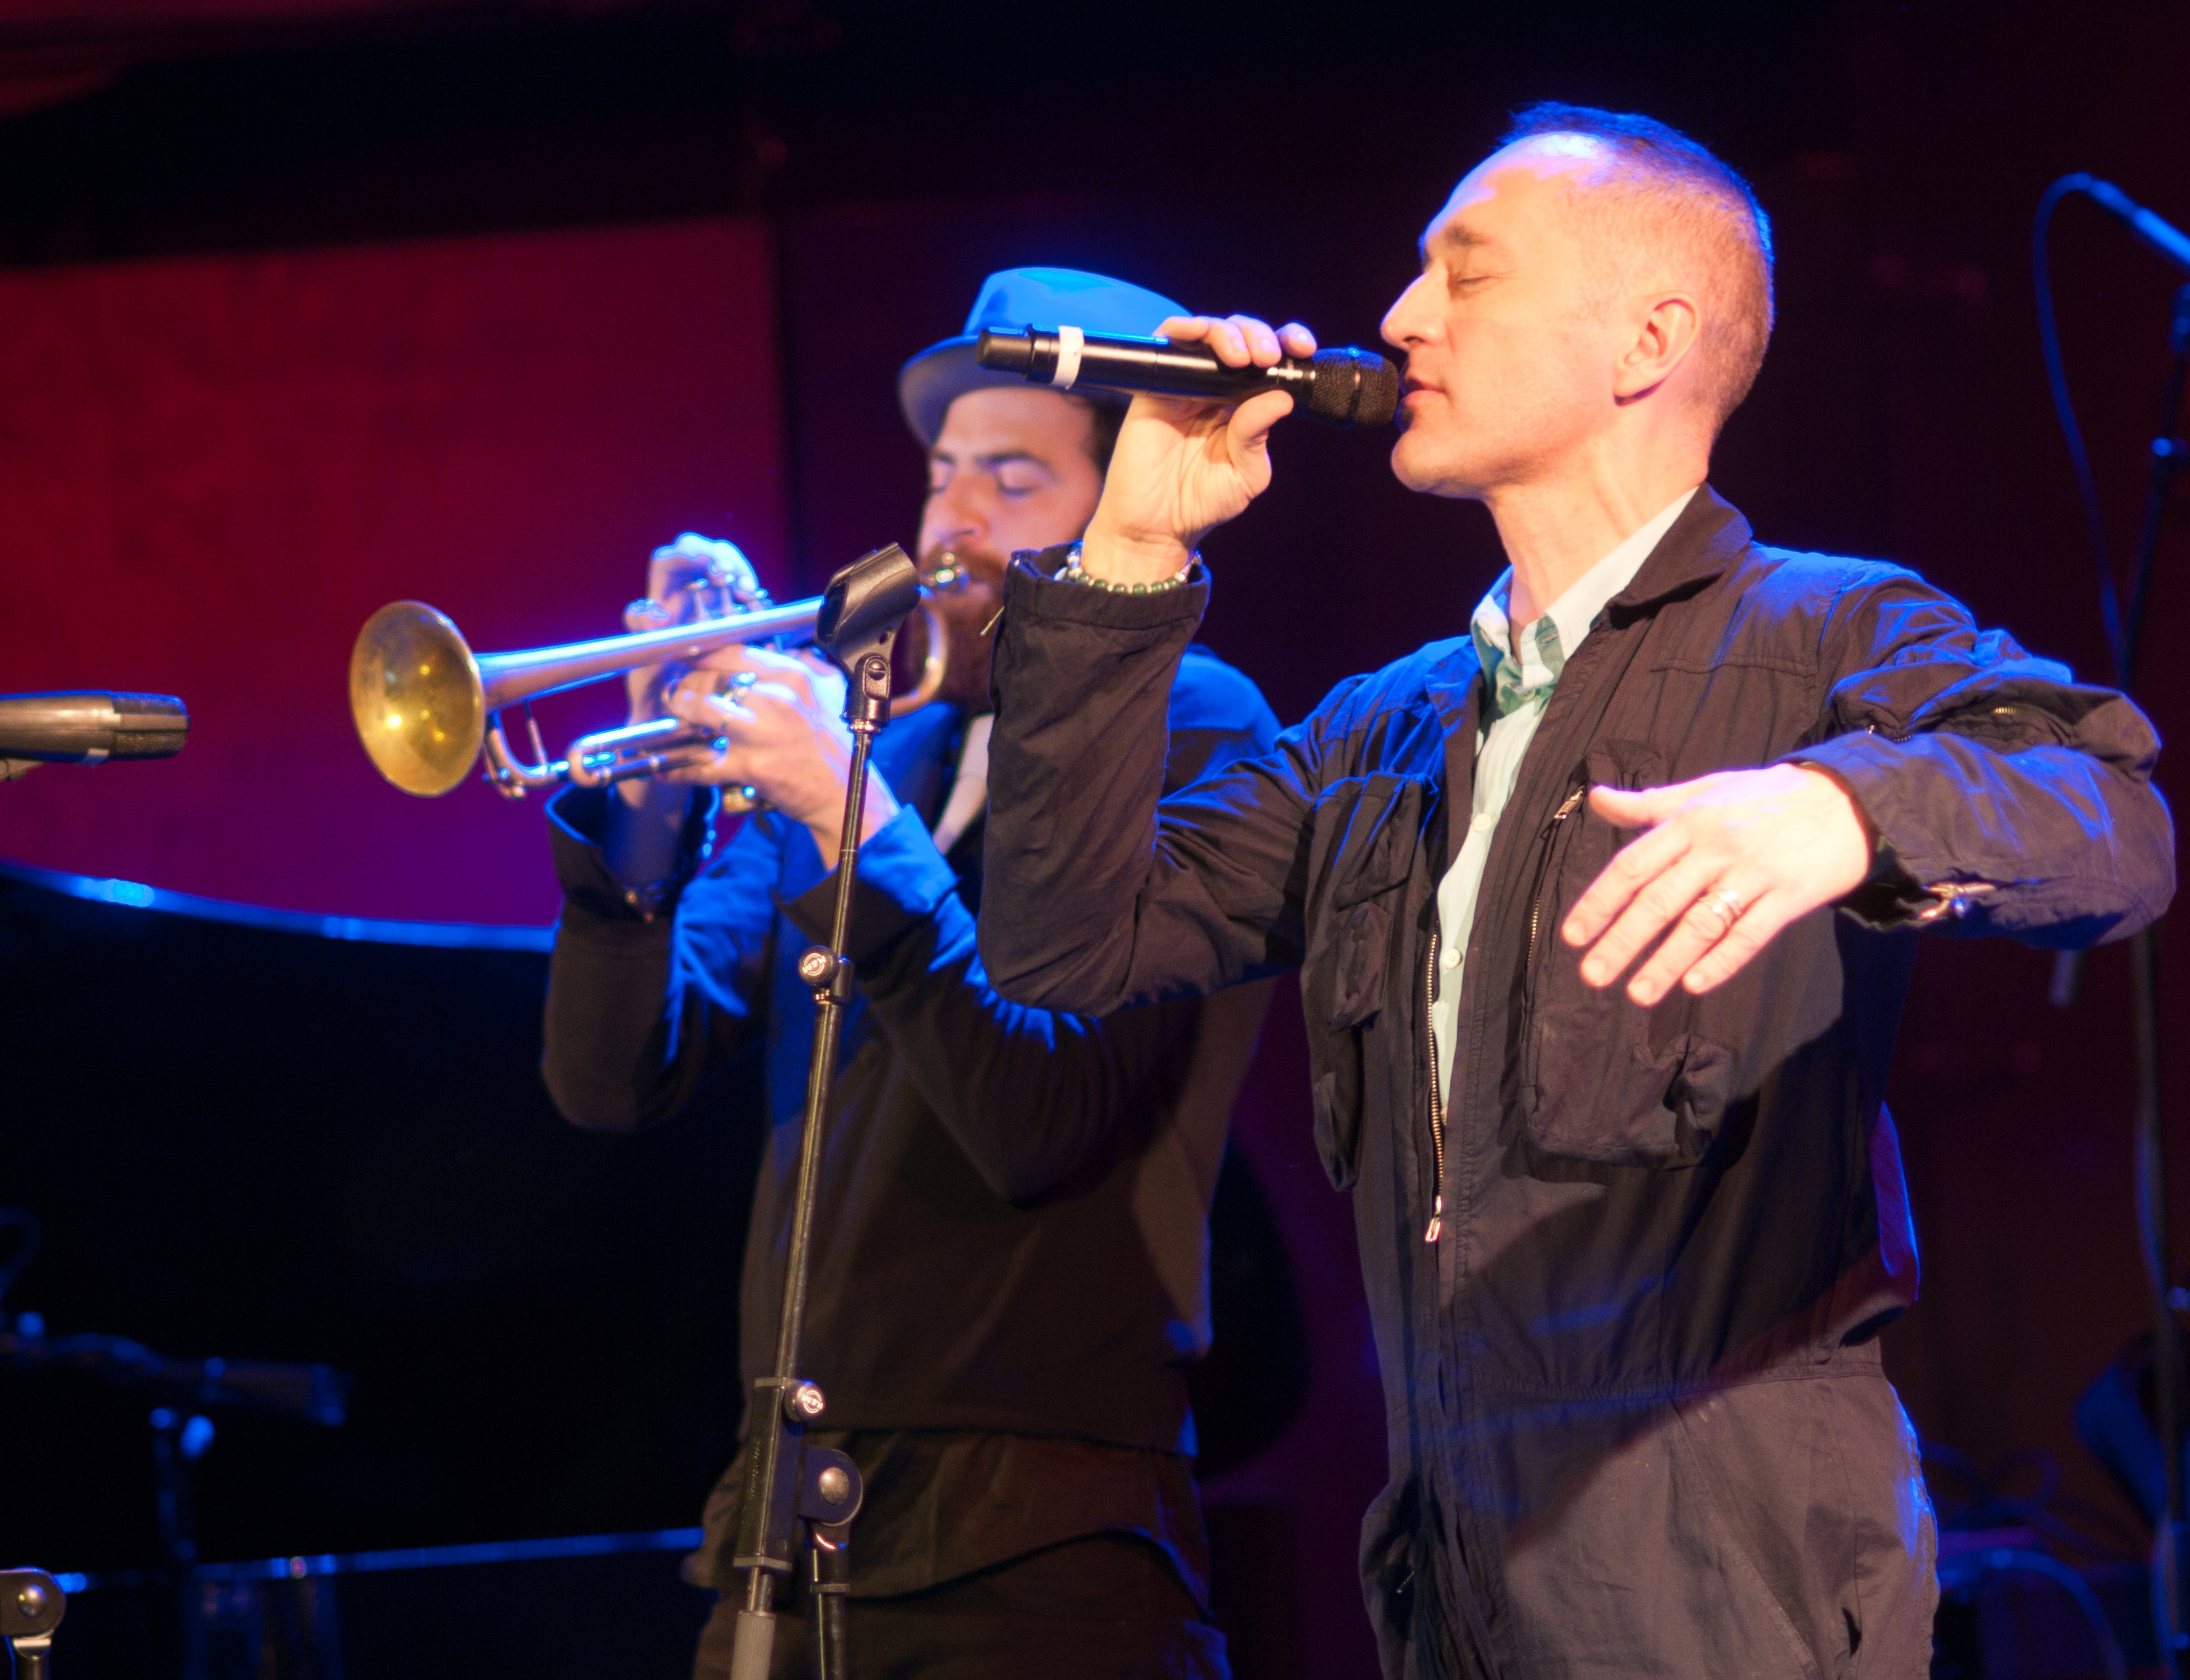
(969, 614)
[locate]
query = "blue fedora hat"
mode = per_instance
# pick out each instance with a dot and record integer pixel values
(1013, 300)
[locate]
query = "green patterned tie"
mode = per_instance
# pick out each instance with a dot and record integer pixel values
(1508, 694)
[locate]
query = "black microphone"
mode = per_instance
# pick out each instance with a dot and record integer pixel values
(89, 728)
(1340, 388)
(2162, 235)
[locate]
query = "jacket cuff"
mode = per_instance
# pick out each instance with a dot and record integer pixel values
(577, 826)
(1031, 588)
(1908, 886)
(900, 881)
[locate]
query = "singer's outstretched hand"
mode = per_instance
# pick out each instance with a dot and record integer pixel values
(1723, 864)
(1184, 464)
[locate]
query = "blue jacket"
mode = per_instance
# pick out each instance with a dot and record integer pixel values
(1012, 1222)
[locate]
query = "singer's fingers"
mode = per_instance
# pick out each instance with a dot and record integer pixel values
(1248, 432)
(1225, 338)
(1262, 343)
(1240, 340)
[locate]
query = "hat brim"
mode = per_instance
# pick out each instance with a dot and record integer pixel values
(938, 377)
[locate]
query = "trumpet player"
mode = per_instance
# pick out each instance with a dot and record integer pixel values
(1011, 1274)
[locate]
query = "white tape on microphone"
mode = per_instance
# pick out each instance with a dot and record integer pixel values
(1070, 342)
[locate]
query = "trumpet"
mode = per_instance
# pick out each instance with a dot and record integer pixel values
(426, 707)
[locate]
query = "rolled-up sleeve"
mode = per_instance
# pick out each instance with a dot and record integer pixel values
(2007, 798)
(641, 1010)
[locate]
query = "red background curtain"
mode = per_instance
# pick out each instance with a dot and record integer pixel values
(212, 470)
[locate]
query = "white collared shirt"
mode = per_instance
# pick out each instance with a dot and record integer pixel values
(1545, 649)
(970, 788)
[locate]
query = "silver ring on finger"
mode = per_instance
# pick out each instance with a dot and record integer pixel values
(737, 801)
(1724, 905)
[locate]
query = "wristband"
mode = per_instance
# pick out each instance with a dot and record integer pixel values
(1072, 573)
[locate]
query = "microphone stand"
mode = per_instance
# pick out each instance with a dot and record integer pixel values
(2169, 455)
(2124, 631)
(786, 1481)
(2168, 452)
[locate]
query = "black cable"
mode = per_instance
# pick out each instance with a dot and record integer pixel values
(2057, 379)
(2167, 460)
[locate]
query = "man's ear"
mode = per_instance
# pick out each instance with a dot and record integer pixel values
(1666, 332)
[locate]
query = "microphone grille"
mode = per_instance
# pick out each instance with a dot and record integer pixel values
(1353, 388)
(149, 726)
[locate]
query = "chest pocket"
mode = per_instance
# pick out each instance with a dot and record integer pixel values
(1371, 831)
(1604, 1080)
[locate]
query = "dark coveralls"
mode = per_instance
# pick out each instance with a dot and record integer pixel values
(1637, 1421)
(1011, 1276)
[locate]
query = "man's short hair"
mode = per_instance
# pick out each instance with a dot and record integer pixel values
(1677, 192)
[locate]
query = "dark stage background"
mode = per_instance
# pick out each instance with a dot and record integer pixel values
(308, 306)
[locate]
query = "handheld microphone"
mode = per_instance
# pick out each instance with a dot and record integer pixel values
(1344, 387)
(2162, 235)
(89, 728)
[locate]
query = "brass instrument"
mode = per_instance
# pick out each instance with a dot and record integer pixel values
(425, 705)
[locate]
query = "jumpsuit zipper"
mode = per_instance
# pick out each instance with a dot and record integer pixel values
(1567, 809)
(1430, 989)
(1536, 903)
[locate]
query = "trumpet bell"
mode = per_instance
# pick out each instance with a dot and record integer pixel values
(416, 695)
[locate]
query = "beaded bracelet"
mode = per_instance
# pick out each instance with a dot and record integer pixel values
(1072, 573)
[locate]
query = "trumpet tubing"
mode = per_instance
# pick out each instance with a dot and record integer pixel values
(425, 705)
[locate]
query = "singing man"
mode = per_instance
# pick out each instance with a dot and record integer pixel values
(1604, 908)
(1010, 1275)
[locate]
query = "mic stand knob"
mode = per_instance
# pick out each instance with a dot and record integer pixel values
(31, 1605)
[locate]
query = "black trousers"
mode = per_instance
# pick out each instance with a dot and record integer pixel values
(1097, 1608)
